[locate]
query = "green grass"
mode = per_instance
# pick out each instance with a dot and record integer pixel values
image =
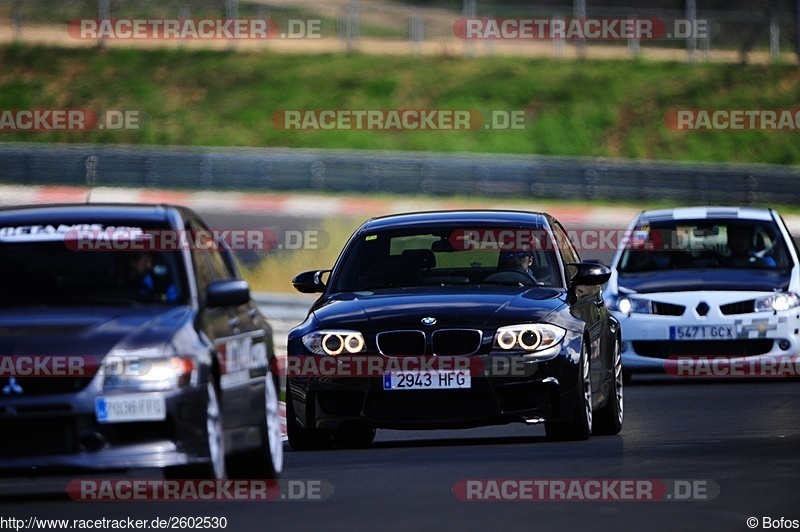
(227, 98)
(274, 272)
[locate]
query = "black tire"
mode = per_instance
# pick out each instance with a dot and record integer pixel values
(267, 460)
(216, 467)
(301, 438)
(580, 426)
(608, 420)
(354, 435)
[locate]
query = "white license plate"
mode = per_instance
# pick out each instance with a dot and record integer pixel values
(130, 408)
(701, 332)
(427, 380)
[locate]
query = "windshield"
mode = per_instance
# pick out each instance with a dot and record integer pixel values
(687, 244)
(49, 273)
(426, 257)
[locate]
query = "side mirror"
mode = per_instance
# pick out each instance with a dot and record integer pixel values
(227, 293)
(596, 261)
(589, 274)
(310, 282)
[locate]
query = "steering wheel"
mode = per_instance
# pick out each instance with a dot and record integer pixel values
(511, 276)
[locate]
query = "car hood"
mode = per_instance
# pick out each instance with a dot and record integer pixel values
(88, 332)
(703, 279)
(480, 307)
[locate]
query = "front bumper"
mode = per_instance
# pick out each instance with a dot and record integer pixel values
(649, 347)
(61, 432)
(546, 392)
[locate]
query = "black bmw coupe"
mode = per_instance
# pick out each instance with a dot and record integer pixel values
(454, 320)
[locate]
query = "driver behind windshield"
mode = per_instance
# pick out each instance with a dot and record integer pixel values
(741, 242)
(138, 274)
(516, 260)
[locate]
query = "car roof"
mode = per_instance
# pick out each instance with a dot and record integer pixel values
(706, 213)
(454, 217)
(88, 213)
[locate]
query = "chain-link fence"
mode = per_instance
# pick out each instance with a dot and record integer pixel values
(767, 29)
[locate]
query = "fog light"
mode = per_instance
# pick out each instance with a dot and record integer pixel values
(784, 344)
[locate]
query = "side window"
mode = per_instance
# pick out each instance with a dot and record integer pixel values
(568, 252)
(217, 264)
(202, 271)
(229, 260)
(218, 267)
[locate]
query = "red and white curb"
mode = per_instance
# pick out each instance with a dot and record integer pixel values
(305, 205)
(302, 205)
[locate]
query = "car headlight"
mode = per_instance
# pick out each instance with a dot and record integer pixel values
(528, 337)
(140, 371)
(630, 305)
(334, 343)
(777, 302)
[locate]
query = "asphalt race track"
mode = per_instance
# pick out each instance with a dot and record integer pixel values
(734, 441)
(739, 436)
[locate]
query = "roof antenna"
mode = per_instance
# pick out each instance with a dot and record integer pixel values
(91, 175)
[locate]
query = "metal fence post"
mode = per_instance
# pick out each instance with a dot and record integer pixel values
(489, 44)
(416, 32)
(558, 44)
(691, 41)
(350, 24)
(184, 13)
(633, 42)
(774, 37)
(232, 12)
(579, 11)
(103, 12)
(16, 19)
(469, 10)
(797, 28)
(263, 13)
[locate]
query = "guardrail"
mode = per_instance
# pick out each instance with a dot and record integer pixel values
(434, 174)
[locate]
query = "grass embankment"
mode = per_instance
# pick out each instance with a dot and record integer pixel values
(227, 98)
(275, 271)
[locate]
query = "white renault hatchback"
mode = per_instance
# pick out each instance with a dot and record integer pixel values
(700, 285)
